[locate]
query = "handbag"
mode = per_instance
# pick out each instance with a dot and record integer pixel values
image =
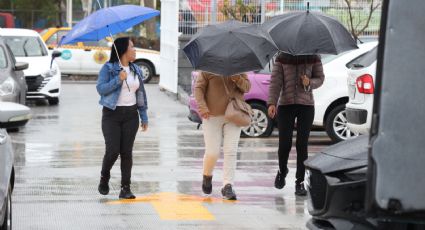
(237, 111)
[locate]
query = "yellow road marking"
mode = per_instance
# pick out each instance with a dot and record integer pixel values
(174, 206)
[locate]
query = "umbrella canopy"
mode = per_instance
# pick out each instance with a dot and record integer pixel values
(106, 22)
(305, 33)
(229, 48)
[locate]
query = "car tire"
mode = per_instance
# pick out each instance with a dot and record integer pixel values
(336, 124)
(7, 222)
(261, 125)
(53, 100)
(147, 70)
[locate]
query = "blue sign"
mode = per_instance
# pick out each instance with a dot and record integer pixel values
(66, 55)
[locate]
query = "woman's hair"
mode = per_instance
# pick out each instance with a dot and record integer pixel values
(285, 58)
(121, 45)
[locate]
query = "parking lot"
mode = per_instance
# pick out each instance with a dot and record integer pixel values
(58, 157)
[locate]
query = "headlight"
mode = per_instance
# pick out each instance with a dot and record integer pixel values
(7, 87)
(51, 72)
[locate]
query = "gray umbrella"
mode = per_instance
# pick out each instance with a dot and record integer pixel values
(229, 48)
(303, 33)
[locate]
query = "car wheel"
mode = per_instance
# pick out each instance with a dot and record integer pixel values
(53, 101)
(7, 222)
(146, 70)
(336, 125)
(261, 124)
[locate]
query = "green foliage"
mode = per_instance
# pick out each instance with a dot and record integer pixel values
(236, 11)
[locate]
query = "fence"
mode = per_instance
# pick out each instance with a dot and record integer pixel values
(195, 14)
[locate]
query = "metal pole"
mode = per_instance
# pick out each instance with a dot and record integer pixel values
(69, 12)
(263, 11)
(281, 6)
(213, 11)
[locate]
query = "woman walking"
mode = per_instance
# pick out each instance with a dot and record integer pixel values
(123, 97)
(293, 79)
(212, 99)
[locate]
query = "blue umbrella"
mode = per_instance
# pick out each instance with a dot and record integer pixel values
(106, 22)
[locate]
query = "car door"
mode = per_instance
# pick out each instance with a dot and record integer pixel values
(5, 166)
(396, 182)
(72, 55)
(96, 53)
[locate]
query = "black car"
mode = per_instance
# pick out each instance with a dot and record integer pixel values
(377, 181)
(13, 87)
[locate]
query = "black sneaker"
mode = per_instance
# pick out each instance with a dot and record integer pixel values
(103, 186)
(206, 185)
(300, 189)
(279, 181)
(126, 193)
(228, 193)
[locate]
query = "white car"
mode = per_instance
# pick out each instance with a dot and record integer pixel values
(361, 87)
(43, 75)
(331, 97)
(86, 58)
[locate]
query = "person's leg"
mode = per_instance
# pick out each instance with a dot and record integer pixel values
(111, 133)
(111, 129)
(286, 120)
(305, 118)
(213, 135)
(231, 135)
(130, 126)
(230, 149)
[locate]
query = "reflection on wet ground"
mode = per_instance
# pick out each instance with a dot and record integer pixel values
(58, 156)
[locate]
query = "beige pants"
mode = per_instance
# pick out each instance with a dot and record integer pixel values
(217, 130)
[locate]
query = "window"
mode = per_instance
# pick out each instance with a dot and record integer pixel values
(3, 59)
(26, 46)
(364, 60)
(56, 38)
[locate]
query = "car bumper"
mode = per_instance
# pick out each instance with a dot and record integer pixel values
(357, 120)
(43, 87)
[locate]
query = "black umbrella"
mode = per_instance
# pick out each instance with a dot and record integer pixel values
(229, 48)
(304, 33)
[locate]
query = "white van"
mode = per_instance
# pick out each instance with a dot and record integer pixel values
(43, 76)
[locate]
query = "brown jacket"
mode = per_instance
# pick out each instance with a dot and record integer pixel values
(211, 95)
(286, 85)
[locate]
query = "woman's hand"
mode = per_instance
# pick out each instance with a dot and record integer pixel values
(144, 127)
(205, 115)
(305, 80)
(272, 111)
(123, 75)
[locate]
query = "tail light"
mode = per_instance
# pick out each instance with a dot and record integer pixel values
(365, 84)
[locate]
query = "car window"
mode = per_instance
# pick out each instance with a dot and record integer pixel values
(364, 60)
(56, 37)
(101, 43)
(25, 46)
(3, 60)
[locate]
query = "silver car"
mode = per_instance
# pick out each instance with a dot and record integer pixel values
(9, 112)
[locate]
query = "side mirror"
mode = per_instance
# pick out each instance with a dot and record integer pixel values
(56, 54)
(21, 66)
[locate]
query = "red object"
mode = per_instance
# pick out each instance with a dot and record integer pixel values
(200, 5)
(365, 84)
(6, 20)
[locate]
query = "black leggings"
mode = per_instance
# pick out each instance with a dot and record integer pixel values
(287, 114)
(119, 129)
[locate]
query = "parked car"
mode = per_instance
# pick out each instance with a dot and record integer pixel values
(43, 76)
(86, 58)
(376, 181)
(330, 99)
(361, 87)
(9, 112)
(13, 87)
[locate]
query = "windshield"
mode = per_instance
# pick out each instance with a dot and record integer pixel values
(26, 46)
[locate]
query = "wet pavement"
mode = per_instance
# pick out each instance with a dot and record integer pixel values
(58, 157)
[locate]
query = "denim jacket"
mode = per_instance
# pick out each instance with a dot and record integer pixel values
(109, 87)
